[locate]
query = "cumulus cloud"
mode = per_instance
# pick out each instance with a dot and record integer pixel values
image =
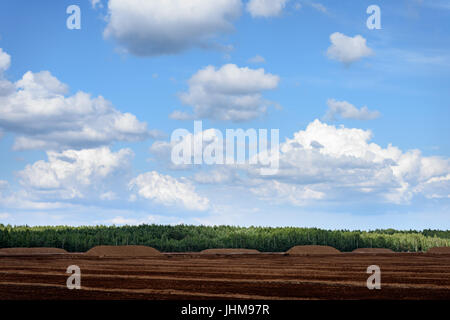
(436, 187)
(6, 87)
(348, 49)
(154, 27)
(328, 163)
(229, 93)
(74, 174)
(257, 59)
(221, 175)
(38, 109)
(208, 138)
(325, 164)
(27, 199)
(346, 110)
(266, 8)
(168, 191)
(5, 61)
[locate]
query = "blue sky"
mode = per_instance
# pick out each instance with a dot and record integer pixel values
(87, 114)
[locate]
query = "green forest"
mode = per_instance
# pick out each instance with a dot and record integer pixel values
(181, 238)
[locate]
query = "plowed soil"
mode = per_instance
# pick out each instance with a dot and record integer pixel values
(229, 251)
(439, 250)
(372, 250)
(21, 251)
(242, 276)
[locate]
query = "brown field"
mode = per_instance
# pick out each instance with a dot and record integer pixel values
(229, 251)
(439, 250)
(226, 276)
(26, 251)
(372, 250)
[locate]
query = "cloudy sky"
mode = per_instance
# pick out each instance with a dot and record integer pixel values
(86, 115)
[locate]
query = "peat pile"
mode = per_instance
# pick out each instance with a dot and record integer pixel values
(308, 250)
(439, 250)
(123, 251)
(27, 251)
(372, 250)
(228, 251)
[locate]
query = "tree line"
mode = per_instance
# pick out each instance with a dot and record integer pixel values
(182, 238)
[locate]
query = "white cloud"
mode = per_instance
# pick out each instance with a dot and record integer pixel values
(147, 219)
(279, 192)
(109, 195)
(221, 175)
(347, 49)
(266, 8)
(39, 111)
(27, 200)
(119, 220)
(181, 115)
(6, 87)
(5, 61)
(312, 4)
(328, 163)
(74, 174)
(5, 216)
(95, 3)
(3, 184)
(257, 59)
(346, 110)
(208, 138)
(168, 191)
(228, 93)
(436, 187)
(318, 6)
(154, 27)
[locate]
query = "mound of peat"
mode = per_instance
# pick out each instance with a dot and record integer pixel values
(306, 250)
(123, 251)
